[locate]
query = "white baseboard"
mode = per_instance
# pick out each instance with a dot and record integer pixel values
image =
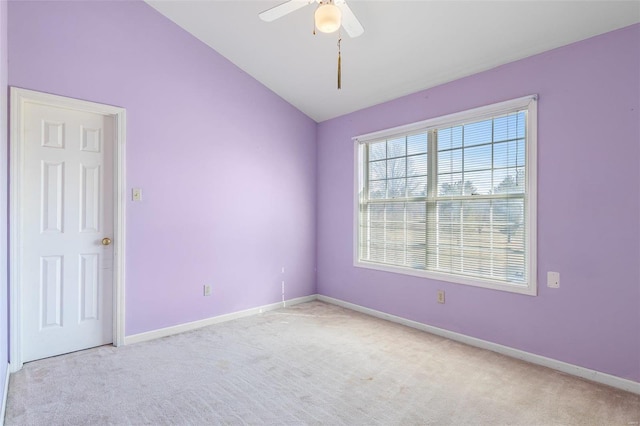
(4, 395)
(575, 370)
(585, 373)
(181, 328)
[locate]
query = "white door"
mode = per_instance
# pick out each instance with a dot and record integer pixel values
(66, 266)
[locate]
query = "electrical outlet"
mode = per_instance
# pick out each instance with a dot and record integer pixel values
(440, 296)
(207, 290)
(553, 279)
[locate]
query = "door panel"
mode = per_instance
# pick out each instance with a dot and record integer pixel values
(67, 197)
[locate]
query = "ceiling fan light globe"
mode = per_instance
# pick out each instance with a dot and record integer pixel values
(328, 18)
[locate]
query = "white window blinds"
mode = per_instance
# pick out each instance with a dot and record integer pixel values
(452, 197)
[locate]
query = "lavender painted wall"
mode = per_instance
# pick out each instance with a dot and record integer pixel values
(588, 209)
(227, 167)
(4, 320)
(228, 171)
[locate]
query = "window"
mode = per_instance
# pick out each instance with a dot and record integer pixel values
(452, 198)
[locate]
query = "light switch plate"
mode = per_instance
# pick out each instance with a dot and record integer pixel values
(553, 279)
(136, 194)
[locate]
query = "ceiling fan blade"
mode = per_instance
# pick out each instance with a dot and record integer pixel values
(283, 9)
(350, 23)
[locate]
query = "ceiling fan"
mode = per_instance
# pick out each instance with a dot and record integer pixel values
(329, 15)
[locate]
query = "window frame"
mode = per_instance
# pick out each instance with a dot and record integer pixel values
(472, 115)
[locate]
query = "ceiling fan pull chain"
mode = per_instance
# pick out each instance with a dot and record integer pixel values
(339, 63)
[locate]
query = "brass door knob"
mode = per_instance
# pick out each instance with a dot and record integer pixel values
(106, 241)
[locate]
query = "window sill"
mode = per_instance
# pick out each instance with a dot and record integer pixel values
(526, 289)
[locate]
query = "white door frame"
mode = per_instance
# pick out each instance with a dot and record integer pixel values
(20, 97)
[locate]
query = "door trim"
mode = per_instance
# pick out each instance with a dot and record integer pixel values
(19, 97)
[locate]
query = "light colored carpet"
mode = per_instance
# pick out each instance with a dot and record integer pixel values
(308, 364)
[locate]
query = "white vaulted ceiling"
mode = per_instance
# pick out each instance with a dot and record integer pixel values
(407, 46)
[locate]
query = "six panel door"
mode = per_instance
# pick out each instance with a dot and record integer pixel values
(67, 195)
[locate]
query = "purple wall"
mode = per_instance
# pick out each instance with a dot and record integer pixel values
(227, 167)
(588, 209)
(228, 171)
(4, 320)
